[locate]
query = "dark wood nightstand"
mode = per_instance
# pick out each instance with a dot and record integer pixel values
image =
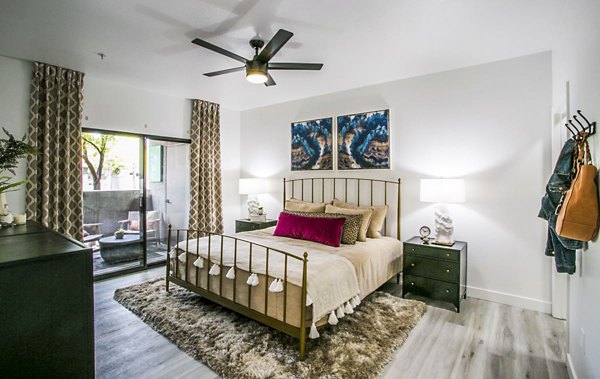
(435, 271)
(245, 225)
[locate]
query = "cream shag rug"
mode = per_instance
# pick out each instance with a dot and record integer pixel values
(237, 347)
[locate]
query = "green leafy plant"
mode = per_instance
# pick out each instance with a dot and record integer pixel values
(95, 149)
(11, 150)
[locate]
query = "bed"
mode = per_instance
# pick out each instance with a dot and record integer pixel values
(292, 285)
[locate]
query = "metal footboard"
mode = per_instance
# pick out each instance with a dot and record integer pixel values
(204, 289)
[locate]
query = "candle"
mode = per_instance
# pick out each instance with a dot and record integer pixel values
(20, 219)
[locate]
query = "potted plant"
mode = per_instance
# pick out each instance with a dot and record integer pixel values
(119, 234)
(11, 150)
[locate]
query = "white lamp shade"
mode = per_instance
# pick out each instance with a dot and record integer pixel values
(253, 186)
(442, 190)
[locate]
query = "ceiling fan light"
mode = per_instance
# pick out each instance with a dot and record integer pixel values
(256, 77)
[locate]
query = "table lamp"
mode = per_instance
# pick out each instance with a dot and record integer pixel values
(441, 192)
(252, 187)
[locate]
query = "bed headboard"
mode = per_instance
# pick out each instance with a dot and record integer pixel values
(361, 191)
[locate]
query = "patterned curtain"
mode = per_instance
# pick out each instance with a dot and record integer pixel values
(54, 196)
(206, 200)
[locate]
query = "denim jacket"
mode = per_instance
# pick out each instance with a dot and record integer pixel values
(563, 249)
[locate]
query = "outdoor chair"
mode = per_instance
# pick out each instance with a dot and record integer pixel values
(132, 224)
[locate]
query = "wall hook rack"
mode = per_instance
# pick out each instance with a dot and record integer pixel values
(589, 128)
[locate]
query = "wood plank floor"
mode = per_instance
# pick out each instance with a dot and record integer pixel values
(486, 340)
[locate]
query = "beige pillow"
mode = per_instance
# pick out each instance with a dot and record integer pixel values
(304, 206)
(377, 221)
(365, 212)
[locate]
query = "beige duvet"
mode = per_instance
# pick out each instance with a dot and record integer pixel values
(335, 275)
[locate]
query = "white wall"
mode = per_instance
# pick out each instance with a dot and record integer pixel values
(15, 76)
(577, 59)
(230, 167)
(113, 106)
(489, 124)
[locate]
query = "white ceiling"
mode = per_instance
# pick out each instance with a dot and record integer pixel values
(147, 42)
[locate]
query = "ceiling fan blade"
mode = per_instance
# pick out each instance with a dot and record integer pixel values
(295, 66)
(274, 45)
(270, 81)
(218, 49)
(221, 72)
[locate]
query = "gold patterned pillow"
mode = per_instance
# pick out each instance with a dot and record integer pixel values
(351, 225)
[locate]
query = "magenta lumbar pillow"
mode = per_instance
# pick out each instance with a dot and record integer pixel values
(327, 231)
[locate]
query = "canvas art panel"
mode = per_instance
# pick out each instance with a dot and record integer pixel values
(364, 141)
(312, 147)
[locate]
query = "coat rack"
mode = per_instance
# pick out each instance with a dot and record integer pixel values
(578, 131)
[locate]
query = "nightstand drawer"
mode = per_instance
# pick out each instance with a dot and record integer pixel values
(432, 252)
(431, 288)
(431, 268)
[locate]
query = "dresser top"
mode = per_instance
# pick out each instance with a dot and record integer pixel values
(32, 242)
(458, 245)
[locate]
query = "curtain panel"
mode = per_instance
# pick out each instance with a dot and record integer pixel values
(206, 198)
(54, 196)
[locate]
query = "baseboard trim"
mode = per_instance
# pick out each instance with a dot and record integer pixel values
(570, 368)
(509, 299)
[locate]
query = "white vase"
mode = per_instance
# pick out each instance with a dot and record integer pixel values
(3, 204)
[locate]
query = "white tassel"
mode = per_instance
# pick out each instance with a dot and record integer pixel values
(314, 333)
(252, 280)
(273, 286)
(332, 319)
(182, 257)
(215, 270)
(199, 262)
(279, 286)
(340, 312)
(355, 301)
(309, 301)
(230, 273)
(348, 309)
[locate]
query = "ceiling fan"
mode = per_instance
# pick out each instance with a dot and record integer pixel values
(257, 68)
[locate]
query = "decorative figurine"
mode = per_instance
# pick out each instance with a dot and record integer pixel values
(424, 231)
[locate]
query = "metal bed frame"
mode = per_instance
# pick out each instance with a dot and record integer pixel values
(247, 309)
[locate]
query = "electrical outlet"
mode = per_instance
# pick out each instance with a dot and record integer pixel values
(582, 341)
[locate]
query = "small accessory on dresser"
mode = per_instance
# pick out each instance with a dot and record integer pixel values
(424, 231)
(578, 214)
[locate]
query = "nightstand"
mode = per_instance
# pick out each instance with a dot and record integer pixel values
(435, 271)
(245, 225)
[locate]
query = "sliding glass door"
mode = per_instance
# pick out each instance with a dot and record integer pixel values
(134, 186)
(167, 188)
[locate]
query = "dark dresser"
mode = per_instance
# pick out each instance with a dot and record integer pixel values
(46, 305)
(245, 225)
(435, 271)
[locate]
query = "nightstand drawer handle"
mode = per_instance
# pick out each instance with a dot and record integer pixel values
(448, 270)
(412, 265)
(447, 291)
(412, 283)
(412, 249)
(447, 254)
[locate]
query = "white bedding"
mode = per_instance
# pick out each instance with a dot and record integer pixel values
(335, 275)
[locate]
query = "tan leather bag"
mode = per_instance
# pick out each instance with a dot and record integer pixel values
(578, 215)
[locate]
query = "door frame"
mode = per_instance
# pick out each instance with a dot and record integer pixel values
(144, 173)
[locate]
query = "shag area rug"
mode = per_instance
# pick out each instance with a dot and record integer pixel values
(236, 347)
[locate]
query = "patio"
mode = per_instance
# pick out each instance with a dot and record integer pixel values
(105, 212)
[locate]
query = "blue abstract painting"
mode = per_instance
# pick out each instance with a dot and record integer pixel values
(312, 147)
(364, 141)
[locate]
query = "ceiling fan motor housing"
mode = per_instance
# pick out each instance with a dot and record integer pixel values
(256, 67)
